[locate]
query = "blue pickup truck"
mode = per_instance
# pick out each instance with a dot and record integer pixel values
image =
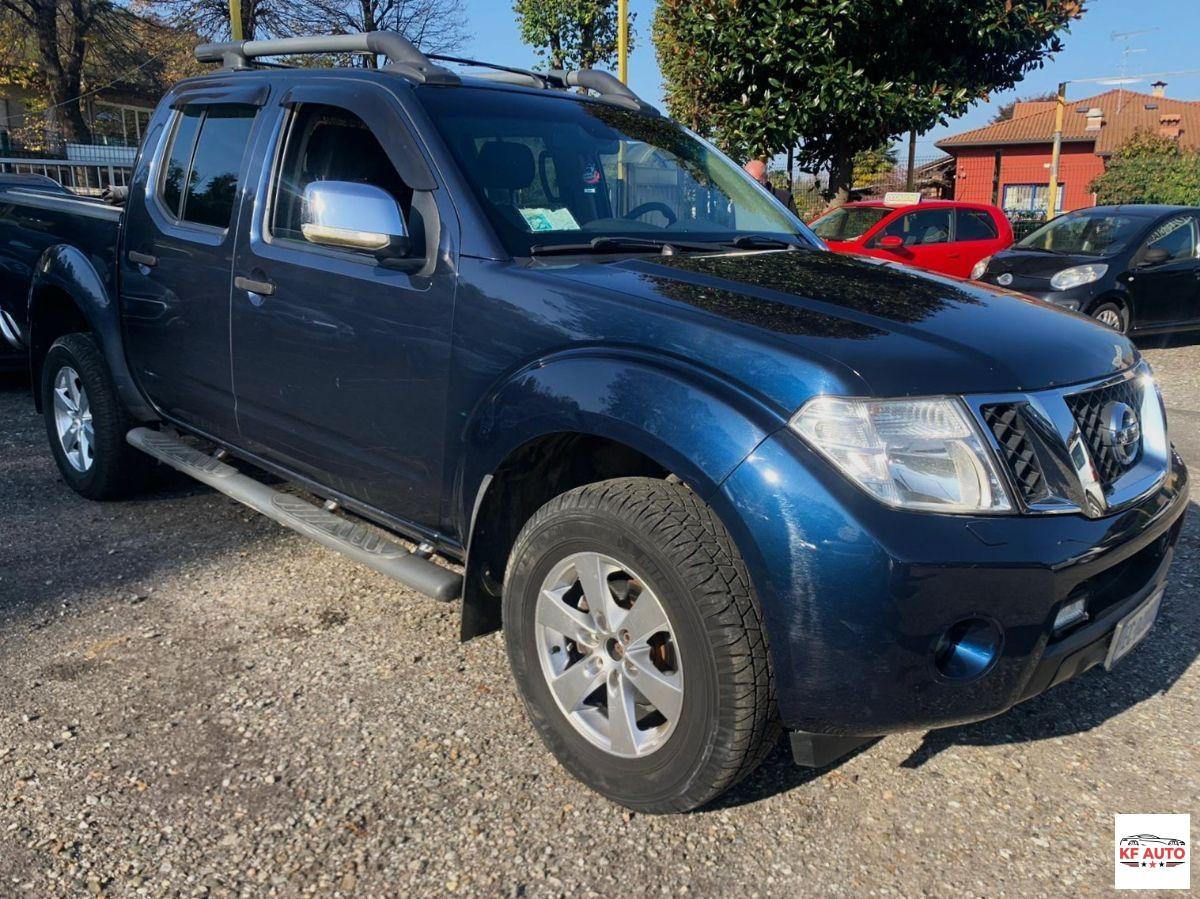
(713, 481)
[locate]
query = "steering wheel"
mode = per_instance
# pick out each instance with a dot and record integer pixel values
(653, 206)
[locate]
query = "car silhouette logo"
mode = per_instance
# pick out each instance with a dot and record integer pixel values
(1004, 280)
(1149, 839)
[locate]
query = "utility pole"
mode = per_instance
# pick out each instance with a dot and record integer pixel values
(235, 19)
(910, 182)
(623, 40)
(1060, 107)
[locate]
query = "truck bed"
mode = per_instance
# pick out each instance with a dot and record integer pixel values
(33, 221)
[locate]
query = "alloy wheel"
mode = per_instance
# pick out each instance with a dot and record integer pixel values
(609, 654)
(1109, 317)
(73, 419)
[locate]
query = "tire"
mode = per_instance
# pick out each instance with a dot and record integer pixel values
(101, 466)
(1113, 315)
(669, 546)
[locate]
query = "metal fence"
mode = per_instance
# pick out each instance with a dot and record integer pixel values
(84, 178)
(86, 168)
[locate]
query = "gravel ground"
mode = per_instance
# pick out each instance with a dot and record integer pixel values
(196, 702)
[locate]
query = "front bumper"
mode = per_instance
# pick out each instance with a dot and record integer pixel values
(856, 596)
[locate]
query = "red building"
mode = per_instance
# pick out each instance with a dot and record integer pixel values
(1008, 163)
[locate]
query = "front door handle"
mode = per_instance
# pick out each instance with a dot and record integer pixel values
(262, 288)
(145, 259)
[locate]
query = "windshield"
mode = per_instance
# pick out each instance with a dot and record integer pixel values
(553, 170)
(1085, 234)
(849, 222)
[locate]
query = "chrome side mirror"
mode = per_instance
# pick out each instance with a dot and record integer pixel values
(356, 216)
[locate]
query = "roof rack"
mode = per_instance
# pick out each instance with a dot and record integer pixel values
(402, 56)
(405, 59)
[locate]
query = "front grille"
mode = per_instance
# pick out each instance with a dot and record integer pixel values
(1007, 426)
(1088, 409)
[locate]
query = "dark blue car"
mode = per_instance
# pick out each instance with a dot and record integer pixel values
(713, 481)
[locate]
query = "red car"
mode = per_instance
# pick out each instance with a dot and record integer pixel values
(945, 236)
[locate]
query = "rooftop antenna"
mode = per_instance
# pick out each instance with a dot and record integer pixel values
(1126, 52)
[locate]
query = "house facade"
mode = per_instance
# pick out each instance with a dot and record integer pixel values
(1008, 163)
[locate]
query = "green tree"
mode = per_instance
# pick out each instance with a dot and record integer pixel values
(871, 165)
(843, 76)
(1149, 168)
(571, 34)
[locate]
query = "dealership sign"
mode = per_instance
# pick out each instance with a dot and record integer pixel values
(1152, 852)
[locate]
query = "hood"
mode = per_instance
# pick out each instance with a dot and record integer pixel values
(886, 329)
(1031, 269)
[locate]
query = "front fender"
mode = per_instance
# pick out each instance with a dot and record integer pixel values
(682, 417)
(66, 270)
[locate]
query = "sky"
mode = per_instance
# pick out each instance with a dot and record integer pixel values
(1090, 51)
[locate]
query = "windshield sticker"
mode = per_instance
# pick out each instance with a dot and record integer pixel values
(550, 219)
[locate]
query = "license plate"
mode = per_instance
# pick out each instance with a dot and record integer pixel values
(1132, 629)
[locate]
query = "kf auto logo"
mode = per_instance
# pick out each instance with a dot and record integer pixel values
(1152, 852)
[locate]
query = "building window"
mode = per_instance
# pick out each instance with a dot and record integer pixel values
(117, 125)
(1030, 198)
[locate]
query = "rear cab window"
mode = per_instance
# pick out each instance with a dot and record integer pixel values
(200, 178)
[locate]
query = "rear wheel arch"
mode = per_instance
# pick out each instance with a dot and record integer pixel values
(53, 313)
(68, 295)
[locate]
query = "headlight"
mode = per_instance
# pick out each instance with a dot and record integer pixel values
(1078, 275)
(980, 268)
(913, 454)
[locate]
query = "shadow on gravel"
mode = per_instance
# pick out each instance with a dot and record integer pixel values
(56, 547)
(1176, 340)
(778, 774)
(1088, 701)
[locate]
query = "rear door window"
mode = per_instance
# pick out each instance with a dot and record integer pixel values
(974, 224)
(183, 142)
(201, 178)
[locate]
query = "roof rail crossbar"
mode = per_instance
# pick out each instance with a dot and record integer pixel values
(402, 56)
(527, 77)
(606, 85)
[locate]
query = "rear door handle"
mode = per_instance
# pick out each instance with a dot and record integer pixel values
(262, 288)
(142, 258)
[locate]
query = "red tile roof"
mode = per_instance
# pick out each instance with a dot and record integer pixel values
(1036, 126)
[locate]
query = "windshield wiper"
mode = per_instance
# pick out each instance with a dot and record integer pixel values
(761, 242)
(619, 244)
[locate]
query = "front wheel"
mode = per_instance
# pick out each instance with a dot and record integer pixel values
(637, 644)
(86, 422)
(1113, 315)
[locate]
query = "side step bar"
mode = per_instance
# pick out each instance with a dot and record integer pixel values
(357, 541)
